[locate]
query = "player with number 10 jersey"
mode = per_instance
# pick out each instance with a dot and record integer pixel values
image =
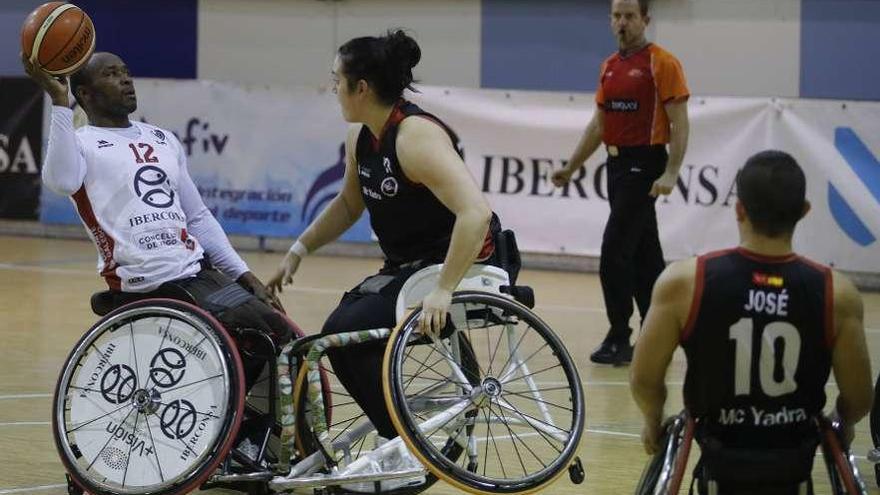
(758, 343)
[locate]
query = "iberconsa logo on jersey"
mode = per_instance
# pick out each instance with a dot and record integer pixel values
(152, 185)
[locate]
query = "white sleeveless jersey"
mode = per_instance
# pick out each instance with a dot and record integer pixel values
(130, 205)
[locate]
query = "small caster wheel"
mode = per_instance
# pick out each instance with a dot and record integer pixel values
(576, 471)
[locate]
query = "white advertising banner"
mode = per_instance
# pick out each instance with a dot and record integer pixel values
(267, 159)
(514, 140)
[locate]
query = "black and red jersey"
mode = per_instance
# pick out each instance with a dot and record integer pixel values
(758, 345)
(409, 221)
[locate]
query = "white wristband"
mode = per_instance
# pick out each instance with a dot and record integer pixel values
(299, 249)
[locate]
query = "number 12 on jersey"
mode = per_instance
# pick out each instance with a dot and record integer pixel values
(773, 361)
(148, 153)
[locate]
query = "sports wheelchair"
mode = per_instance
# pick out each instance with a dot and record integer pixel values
(874, 454)
(665, 471)
(151, 400)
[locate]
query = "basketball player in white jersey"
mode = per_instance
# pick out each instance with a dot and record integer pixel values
(130, 184)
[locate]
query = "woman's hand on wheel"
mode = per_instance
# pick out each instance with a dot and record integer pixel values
(435, 306)
(284, 274)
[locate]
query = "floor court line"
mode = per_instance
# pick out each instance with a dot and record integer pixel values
(24, 396)
(604, 383)
(26, 489)
(313, 290)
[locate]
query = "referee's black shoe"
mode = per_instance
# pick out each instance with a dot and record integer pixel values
(613, 351)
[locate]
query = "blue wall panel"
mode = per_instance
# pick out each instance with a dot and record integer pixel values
(12, 14)
(544, 45)
(157, 38)
(840, 47)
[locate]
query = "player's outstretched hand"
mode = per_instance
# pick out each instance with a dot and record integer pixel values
(284, 274)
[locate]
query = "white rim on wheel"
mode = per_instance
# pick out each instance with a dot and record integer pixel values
(143, 400)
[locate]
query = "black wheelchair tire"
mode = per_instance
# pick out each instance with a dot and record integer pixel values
(450, 472)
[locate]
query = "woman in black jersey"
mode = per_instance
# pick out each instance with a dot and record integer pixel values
(403, 165)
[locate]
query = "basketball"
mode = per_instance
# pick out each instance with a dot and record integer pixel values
(58, 37)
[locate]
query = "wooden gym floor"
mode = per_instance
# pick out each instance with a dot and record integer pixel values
(44, 290)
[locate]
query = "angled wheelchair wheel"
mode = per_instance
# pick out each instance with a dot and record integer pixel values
(149, 400)
(353, 433)
(843, 473)
(875, 427)
(518, 413)
(665, 472)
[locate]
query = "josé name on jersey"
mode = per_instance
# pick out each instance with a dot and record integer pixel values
(130, 204)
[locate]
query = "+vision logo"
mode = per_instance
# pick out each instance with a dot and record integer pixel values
(867, 168)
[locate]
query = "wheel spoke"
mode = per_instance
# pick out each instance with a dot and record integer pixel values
(137, 368)
(522, 363)
(192, 383)
(155, 452)
(99, 417)
(109, 439)
(492, 436)
(515, 349)
(422, 363)
(523, 377)
(510, 432)
(497, 346)
(517, 437)
(532, 397)
(511, 407)
(130, 447)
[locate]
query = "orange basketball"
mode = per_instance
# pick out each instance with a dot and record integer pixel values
(59, 37)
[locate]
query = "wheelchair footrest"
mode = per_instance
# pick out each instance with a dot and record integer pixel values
(319, 480)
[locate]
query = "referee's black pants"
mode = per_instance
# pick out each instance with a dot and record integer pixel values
(631, 256)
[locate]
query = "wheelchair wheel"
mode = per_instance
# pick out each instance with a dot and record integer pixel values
(149, 400)
(875, 427)
(665, 471)
(352, 430)
(523, 410)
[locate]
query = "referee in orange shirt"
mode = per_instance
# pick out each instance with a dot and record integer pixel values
(641, 107)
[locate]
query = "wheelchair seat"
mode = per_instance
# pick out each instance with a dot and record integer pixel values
(102, 302)
(482, 278)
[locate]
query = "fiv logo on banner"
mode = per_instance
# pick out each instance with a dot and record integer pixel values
(867, 168)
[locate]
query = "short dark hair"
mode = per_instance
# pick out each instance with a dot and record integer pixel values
(643, 7)
(82, 77)
(772, 188)
(385, 62)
